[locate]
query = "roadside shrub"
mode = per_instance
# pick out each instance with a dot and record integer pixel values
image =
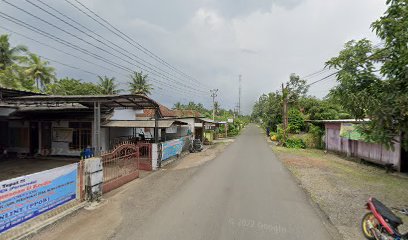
(294, 142)
(316, 134)
(233, 130)
(296, 121)
(279, 133)
(308, 139)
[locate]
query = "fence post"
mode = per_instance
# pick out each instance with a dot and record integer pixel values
(81, 186)
(93, 178)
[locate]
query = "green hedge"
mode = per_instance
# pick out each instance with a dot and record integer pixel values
(295, 142)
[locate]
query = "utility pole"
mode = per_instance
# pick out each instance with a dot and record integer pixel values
(239, 95)
(285, 111)
(214, 95)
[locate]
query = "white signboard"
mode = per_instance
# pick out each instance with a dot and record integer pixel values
(171, 129)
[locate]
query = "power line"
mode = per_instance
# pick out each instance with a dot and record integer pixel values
(123, 51)
(126, 38)
(172, 88)
(322, 79)
(39, 31)
(67, 65)
(59, 50)
(108, 52)
(336, 72)
(59, 40)
(157, 87)
(315, 73)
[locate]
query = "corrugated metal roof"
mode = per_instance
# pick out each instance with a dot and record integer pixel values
(106, 101)
(10, 92)
(208, 120)
(142, 124)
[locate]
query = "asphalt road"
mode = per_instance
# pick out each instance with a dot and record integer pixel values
(245, 193)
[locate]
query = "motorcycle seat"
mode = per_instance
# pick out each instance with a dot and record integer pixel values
(386, 213)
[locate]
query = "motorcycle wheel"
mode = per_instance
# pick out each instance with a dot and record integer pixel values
(365, 226)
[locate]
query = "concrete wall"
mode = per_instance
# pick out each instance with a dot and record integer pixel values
(368, 151)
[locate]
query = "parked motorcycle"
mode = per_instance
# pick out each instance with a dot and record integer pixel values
(380, 223)
(196, 146)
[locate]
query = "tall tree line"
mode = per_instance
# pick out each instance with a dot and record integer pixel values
(372, 82)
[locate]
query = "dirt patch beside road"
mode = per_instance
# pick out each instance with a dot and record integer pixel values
(196, 159)
(341, 187)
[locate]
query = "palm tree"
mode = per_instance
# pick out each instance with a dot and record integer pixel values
(39, 71)
(178, 106)
(139, 84)
(8, 55)
(108, 86)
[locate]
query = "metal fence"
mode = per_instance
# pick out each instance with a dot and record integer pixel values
(121, 165)
(145, 156)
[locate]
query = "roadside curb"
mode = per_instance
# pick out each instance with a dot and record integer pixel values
(50, 221)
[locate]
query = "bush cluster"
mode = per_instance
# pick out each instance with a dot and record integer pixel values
(294, 142)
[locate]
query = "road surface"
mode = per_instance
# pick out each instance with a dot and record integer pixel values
(245, 193)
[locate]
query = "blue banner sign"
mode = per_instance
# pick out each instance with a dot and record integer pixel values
(26, 197)
(172, 148)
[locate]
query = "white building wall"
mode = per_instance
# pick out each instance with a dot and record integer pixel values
(125, 114)
(62, 148)
(183, 130)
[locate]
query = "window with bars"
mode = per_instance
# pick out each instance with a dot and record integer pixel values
(81, 135)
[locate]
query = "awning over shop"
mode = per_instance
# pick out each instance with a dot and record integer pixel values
(105, 101)
(141, 123)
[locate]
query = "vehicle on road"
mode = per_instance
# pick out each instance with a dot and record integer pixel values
(196, 146)
(380, 223)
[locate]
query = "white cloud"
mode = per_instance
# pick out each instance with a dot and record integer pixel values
(214, 41)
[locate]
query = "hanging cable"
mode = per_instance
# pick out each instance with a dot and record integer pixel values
(123, 51)
(126, 38)
(101, 49)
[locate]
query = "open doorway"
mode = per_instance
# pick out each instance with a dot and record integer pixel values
(34, 143)
(45, 138)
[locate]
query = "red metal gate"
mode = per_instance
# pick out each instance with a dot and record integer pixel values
(120, 166)
(145, 156)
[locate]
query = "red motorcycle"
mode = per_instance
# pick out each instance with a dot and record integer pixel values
(381, 223)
